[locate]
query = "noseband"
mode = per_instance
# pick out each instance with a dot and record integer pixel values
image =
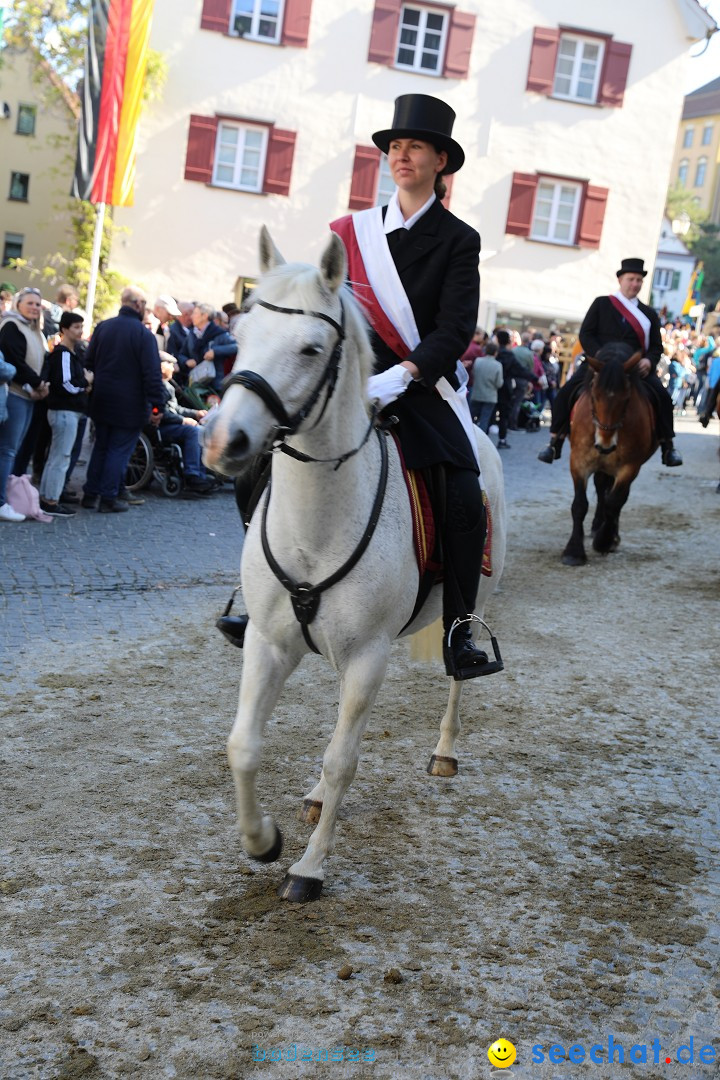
(288, 425)
(608, 427)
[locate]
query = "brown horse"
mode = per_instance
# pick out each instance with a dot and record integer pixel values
(612, 434)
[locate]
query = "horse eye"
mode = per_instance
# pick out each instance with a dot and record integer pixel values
(311, 350)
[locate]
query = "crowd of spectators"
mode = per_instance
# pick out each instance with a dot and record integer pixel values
(513, 375)
(160, 369)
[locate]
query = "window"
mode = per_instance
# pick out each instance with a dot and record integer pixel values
(261, 19)
(556, 212)
(240, 157)
(579, 66)
(707, 135)
(26, 120)
(19, 186)
(662, 279)
(427, 40)
(281, 22)
(421, 42)
(577, 70)
(231, 153)
(700, 171)
(688, 138)
(386, 184)
(12, 247)
(683, 172)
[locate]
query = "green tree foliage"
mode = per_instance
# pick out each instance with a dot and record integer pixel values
(56, 30)
(702, 240)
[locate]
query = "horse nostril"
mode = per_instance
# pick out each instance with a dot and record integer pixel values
(237, 446)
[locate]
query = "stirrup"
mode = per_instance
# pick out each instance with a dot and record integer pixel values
(232, 627)
(473, 671)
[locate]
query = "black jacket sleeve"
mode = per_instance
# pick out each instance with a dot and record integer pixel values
(14, 346)
(590, 328)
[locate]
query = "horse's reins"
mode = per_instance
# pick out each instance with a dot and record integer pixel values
(305, 598)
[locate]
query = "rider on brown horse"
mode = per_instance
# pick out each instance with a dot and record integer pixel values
(619, 317)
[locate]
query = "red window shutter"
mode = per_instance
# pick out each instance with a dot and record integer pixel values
(278, 165)
(296, 23)
(543, 56)
(364, 177)
(448, 182)
(592, 215)
(522, 203)
(384, 33)
(201, 148)
(615, 74)
(216, 15)
(459, 46)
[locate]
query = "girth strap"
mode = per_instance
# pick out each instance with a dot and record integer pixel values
(305, 598)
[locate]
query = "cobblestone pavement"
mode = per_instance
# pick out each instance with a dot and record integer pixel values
(97, 574)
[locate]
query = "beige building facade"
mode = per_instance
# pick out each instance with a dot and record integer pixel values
(696, 162)
(37, 130)
(567, 113)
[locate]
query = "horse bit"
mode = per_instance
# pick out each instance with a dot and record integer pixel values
(305, 597)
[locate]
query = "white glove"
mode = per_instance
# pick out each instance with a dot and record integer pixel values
(389, 385)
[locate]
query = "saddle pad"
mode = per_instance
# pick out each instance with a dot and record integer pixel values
(424, 522)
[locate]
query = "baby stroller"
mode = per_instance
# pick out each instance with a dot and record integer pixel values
(530, 416)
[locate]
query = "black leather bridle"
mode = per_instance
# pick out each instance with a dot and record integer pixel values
(305, 597)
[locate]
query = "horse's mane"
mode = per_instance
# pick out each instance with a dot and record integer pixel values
(302, 285)
(612, 376)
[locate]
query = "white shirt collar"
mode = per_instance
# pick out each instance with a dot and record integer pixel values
(394, 218)
(624, 300)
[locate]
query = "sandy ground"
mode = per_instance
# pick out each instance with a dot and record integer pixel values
(563, 888)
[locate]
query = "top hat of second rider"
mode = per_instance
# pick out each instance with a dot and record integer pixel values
(423, 117)
(632, 266)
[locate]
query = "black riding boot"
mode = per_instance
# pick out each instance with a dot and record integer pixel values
(463, 542)
(553, 451)
(670, 456)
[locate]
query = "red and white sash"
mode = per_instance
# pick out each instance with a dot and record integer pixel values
(377, 285)
(637, 318)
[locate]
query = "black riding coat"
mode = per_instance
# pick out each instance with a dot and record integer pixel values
(604, 324)
(437, 262)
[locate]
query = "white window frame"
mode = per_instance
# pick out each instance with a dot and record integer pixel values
(707, 134)
(256, 18)
(688, 136)
(236, 183)
(419, 48)
(557, 185)
(385, 183)
(700, 172)
(683, 171)
(663, 278)
(572, 94)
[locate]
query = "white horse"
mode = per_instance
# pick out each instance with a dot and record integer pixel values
(303, 362)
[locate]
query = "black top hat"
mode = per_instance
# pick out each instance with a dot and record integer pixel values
(632, 266)
(426, 118)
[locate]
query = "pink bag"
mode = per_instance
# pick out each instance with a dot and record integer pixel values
(24, 499)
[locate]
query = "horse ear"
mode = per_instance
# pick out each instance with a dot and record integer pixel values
(269, 254)
(632, 361)
(334, 263)
(594, 364)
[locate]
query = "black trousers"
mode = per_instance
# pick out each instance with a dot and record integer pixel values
(568, 394)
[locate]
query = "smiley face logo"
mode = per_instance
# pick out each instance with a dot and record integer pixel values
(501, 1054)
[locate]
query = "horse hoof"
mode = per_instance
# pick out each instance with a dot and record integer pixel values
(310, 811)
(299, 890)
(442, 766)
(574, 560)
(273, 853)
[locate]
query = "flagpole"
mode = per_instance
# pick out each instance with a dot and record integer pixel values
(95, 263)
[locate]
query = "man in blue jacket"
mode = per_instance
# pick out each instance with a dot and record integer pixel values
(123, 355)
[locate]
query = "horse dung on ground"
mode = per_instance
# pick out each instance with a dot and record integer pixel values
(336, 512)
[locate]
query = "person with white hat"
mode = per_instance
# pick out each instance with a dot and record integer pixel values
(165, 309)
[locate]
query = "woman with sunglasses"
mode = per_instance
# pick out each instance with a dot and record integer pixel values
(24, 346)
